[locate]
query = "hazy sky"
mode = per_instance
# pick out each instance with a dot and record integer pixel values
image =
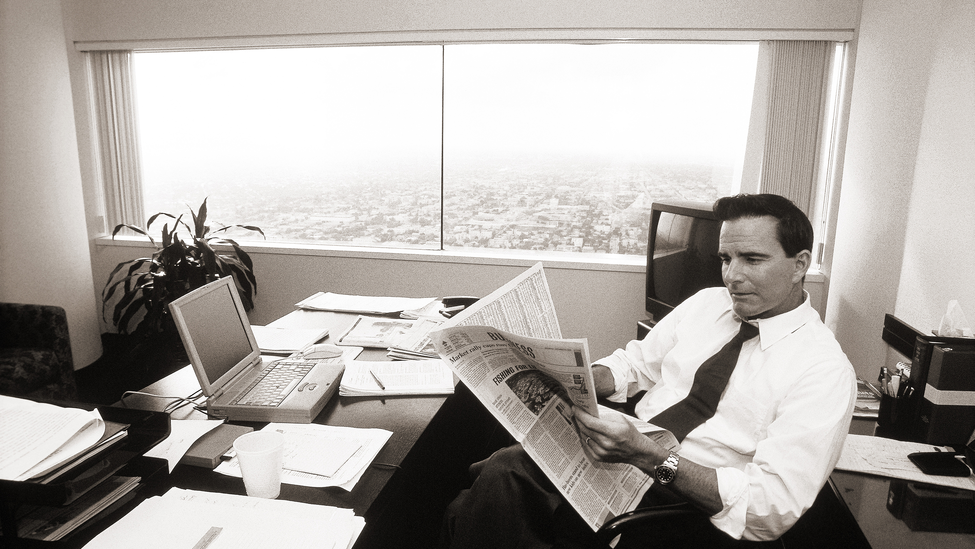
(312, 107)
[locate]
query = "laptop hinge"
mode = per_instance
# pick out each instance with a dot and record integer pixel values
(256, 362)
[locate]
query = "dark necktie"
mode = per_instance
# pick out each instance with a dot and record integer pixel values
(709, 382)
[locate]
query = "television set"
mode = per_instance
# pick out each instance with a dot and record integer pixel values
(682, 254)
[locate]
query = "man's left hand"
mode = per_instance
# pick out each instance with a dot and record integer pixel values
(614, 439)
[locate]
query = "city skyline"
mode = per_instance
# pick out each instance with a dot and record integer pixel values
(591, 209)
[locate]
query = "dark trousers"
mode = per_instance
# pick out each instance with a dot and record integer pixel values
(512, 504)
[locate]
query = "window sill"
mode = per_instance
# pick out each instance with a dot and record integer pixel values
(470, 256)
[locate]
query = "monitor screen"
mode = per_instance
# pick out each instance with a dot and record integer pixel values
(215, 332)
(682, 254)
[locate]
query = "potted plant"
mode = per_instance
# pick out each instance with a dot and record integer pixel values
(148, 284)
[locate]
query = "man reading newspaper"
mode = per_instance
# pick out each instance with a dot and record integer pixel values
(756, 458)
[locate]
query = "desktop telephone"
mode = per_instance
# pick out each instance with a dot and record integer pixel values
(455, 304)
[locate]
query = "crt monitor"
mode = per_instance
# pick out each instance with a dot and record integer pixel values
(682, 254)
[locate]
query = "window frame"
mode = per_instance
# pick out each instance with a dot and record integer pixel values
(823, 187)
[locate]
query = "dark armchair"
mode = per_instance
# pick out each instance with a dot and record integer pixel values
(35, 352)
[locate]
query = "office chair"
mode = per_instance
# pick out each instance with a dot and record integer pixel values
(828, 523)
(671, 525)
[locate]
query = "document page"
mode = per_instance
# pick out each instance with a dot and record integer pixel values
(368, 305)
(37, 437)
(401, 377)
(529, 385)
(187, 519)
(888, 457)
(341, 454)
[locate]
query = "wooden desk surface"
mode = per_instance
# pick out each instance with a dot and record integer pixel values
(866, 497)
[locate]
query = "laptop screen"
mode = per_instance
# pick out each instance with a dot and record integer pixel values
(216, 333)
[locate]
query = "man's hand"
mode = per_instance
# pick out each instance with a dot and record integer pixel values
(614, 439)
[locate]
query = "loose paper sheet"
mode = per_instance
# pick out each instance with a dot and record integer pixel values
(888, 457)
(313, 438)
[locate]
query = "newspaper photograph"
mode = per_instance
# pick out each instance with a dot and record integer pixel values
(530, 384)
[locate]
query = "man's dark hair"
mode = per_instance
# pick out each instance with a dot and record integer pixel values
(795, 232)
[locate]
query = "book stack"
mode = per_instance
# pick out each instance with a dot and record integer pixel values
(43, 442)
(63, 467)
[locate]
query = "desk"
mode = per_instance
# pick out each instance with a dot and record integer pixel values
(423, 465)
(866, 498)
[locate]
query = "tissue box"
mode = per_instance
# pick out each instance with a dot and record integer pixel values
(947, 413)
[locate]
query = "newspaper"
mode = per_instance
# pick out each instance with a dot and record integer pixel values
(530, 382)
(523, 306)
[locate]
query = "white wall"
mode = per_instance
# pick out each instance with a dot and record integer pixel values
(906, 227)
(44, 254)
(894, 50)
(939, 263)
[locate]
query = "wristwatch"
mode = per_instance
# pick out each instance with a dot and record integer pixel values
(666, 472)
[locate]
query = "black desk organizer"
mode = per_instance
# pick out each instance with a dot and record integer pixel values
(146, 429)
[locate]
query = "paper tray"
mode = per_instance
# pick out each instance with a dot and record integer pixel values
(146, 429)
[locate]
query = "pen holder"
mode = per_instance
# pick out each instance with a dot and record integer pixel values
(893, 421)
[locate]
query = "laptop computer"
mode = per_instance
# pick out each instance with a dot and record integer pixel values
(227, 361)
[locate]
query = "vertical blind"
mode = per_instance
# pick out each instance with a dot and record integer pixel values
(797, 92)
(119, 161)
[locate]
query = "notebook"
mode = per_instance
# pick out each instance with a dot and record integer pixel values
(226, 358)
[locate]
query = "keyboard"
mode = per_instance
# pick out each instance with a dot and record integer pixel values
(275, 383)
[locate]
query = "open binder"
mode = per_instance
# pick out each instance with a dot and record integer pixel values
(146, 429)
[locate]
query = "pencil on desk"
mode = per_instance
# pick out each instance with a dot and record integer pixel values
(379, 381)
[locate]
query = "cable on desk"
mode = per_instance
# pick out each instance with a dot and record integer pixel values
(178, 402)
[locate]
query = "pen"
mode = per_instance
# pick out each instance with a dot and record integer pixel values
(208, 537)
(379, 381)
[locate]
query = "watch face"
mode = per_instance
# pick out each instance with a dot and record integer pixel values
(664, 474)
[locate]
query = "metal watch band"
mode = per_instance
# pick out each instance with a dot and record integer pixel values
(666, 472)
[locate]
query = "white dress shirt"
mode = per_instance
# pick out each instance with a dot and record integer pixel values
(780, 425)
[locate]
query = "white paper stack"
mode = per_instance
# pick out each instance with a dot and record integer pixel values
(187, 518)
(385, 378)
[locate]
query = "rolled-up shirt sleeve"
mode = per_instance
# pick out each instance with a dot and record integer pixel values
(803, 442)
(636, 367)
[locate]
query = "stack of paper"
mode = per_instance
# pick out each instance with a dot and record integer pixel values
(868, 400)
(415, 343)
(188, 518)
(413, 377)
(51, 523)
(41, 441)
(368, 305)
(285, 341)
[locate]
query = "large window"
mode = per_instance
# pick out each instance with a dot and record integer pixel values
(544, 147)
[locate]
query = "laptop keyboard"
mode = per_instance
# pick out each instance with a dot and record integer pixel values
(275, 383)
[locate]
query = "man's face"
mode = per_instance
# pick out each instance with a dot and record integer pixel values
(763, 282)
